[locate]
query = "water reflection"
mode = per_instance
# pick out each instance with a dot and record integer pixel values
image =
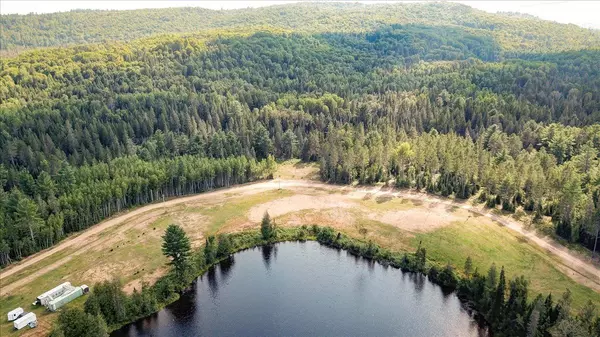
(186, 306)
(304, 289)
(419, 281)
(225, 268)
(213, 283)
(268, 252)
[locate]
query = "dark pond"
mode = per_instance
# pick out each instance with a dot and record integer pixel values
(305, 289)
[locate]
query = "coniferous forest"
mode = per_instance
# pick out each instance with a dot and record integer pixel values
(436, 97)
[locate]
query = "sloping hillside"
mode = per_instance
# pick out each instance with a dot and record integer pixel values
(76, 27)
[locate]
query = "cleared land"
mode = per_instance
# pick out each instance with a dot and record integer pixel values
(128, 246)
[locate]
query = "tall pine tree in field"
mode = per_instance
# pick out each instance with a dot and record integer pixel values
(267, 227)
(176, 245)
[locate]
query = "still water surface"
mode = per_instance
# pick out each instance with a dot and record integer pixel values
(305, 289)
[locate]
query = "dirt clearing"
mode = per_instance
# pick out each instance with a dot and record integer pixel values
(297, 203)
(128, 245)
(417, 220)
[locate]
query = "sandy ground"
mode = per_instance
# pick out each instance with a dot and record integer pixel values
(416, 220)
(438, 213)
(298, 203)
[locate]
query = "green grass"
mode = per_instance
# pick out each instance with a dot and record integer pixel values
(479, 237)
(488, 243)
(236, 210)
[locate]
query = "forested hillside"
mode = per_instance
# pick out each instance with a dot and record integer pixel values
(458, 109)
(516, 34)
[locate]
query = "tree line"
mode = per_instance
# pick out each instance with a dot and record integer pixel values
(504, 304)
(515, 32)
(89, 130)
(545, 171)
(37, 213)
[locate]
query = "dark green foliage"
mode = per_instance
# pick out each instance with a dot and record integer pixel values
(176, 246)
(142, 303)
(326, 235)
(74, 322)
(109, 300)
(88, 194)
(433, 274)
(420, 259)
(468, 268)
(225, 246)
(268, 228)
(210, 249)
(405, 92)
(447, 278)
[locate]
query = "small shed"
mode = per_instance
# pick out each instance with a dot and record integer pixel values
(25, 320)
(14, 314)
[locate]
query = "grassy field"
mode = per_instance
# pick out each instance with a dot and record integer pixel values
(490, 243)
(131, 250)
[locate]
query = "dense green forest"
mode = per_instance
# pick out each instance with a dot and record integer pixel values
(461, 110)
(516, 33)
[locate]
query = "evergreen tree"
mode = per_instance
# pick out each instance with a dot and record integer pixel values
(267, 227)
(210, 249)
(468, 266)
(497, 310)
(176, 246)
(74, 322)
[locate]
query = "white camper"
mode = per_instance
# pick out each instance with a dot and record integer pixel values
(53, 293)
(67, 297)
(14, 314)
(27, 319)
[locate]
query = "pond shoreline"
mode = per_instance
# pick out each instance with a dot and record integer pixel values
(194, 308)
(302, 234)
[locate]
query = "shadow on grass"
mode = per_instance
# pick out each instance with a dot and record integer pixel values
(383, 198)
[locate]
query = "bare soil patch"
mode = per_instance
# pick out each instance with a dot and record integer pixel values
(106, 272)
(334, 217)
(148, 279)
(417, 219)
(296, 203)
(315, 203)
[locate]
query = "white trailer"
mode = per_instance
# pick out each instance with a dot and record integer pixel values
(14, 314)
(53, 293)
(65, 298)
(27, 319)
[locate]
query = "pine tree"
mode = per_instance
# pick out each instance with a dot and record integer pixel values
(267, 227)
(496, 314)
(176, 245)
(468, 266)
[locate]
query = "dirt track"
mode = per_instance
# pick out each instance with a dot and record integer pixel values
(580, 270)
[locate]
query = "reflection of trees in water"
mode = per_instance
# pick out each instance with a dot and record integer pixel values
(213, 283)
(269, 252)
(446, 293)
(225, 268)
(418, 280)
(360, 283)
(139, 327)
(356, 259)
(370, 264)
(184, 308)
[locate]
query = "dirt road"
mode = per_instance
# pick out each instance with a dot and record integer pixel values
(582, 271)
